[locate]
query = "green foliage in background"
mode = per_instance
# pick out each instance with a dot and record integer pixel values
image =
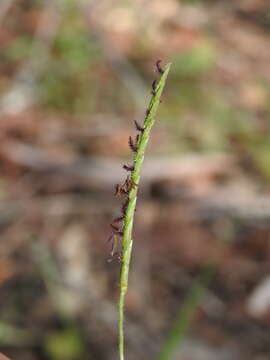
(17, 50)
(64, 345)
(68, 82)
(198, 60)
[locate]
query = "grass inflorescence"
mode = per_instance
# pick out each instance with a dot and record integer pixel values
(122, 225)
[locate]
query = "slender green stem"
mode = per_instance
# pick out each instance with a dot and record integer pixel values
(132, 198)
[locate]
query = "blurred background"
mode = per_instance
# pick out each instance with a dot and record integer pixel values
(73, 77)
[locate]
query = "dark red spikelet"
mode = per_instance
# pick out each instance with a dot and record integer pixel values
(159, 68)
(137, 139)
(127, 183)
(117, 191)
(154, 83)
(124, 207)
(111, 238)
(113, 248)
(118, 219)
(131, 144)
(121, 189)
(128, 167)
(115, 228)
(138, 126)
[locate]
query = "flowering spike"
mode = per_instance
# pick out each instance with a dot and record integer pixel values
(122, 231)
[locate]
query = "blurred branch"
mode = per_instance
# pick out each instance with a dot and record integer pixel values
(175, 184)
(23, 90)
(92, 168)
